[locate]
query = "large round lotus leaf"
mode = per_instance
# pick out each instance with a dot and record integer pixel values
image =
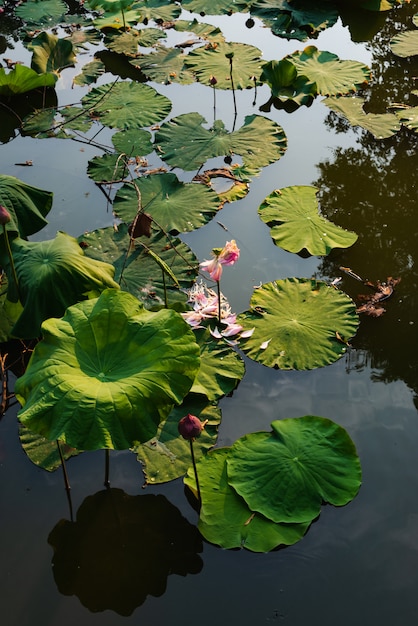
(111, 6)
(225, 518)
(165, 65)
(127, 105)
(166, 456)
(295, 224)
(53, 275)
(107, 373)
(176, 206)
(183, 141)
(48, 12)
(141, 274)
(107, 168)
(380, 125)
(286, 475)
(27, 205)
(215, 7)
(133, 142)
(298, 323)
(221, 367)
(215, 61)
(23, 79)
(332, 76)
(161, 10)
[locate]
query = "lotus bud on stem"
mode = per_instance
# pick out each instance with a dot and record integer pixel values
(5, 219)
(190, 427)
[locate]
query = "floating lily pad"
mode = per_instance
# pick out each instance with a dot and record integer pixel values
(215, 7)
(225, 518)
(123, 42)
(142, 276)
(127, 105)
(167, 455)
(405, 44)
(295, 224)
(298, 19)
(42, 452)
(42, 12)
(107, 168)
(200, 29)
(157, 10)
(177, 207)
(111, 6)
(287, 474)
(53, 275)
(165, 65)
(107, 373)
(332, 76)
(185, 143)
(22, 79)
(380, 125)
(90, 73)
(27, 205)
(215, 61)
(409, 118)
(299, 324)
(51, 54)
(289, 91)
(133, 142)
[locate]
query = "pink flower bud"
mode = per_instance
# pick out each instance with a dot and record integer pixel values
(4, 215)
(190, 427)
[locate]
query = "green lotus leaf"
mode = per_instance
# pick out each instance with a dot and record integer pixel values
(215, 61)
(123, 42)
(405, 44)
(81, 37)
(149, 37)
(286, 475)
(177, 207)
(215, 7)
(295, 224)
(295, 19)
(332, 76)
(165, 65)
(183, 141)
(142, 276)
(90, 73)
(202, 30)
(117, 20)
(111, 6)
(41, 123)
(53, 275)
(107, 168)
(157, 10)
(22, 79)
(75, 118)
(127, 105)
(27, 206)
(42, 12)
(51, 54)
(214, 381)
(42, 452)
(299, 323)
(107, 372)
(380, 125)
(133, 142)
(9, 311)
(225, 518)
(409, 117)
(291, 90)
(167, 455)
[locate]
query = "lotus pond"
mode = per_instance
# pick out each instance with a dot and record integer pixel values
(208, 209)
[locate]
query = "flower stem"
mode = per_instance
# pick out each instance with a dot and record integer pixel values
(218, 285)
(195, 472)
(12, 265)
(66, 481)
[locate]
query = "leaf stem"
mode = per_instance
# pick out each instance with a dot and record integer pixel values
(66, 481)
(9, 253)
(218, 286)
(195, 472)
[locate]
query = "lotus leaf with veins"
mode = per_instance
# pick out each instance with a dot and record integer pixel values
(107, 373)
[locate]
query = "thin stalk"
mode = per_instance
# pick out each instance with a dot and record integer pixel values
(123, 18)
(214, 104)
(165, 291)
(9, 253)
(107, 468)
(218, 285)
(195, 472)
(233, 93)
(66, 481)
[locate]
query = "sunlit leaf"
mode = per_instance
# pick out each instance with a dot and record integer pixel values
(408, 117)
(107, 373)
(332, 76)
(157, 10)
(225, 518)
(184, 142)
(166, 65)
(200, 29)
(51, 54)
(167, 455)
(289, 91)
(90, 73)
(123, 42)
(176, 206)
(22, 79)
(380, 125)
(127, 105)
(216, 61)
(405, 44)
(215, 7)
(299, 323)
(42, 452)
(295, 224)
(288, 473)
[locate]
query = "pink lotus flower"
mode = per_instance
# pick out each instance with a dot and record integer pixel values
(227, 255)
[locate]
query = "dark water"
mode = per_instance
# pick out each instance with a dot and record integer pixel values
(357, 564)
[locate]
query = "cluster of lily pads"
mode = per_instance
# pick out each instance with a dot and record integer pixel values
(118, 365)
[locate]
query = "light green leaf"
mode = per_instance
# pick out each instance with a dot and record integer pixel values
(409, 117)
(107, 373)
(42, 452)
(380, 125)
(200, 29)
(215, 7)
(214, 60)
(90, 73)
(167, 455)
(127, 105)
(295, 224)
(184, 142)
(289, 91)
(405, 44)
(157, 10)
(51, 54)
(23, 79)
(123, 42)
(177, 207)
(165, 65)
(27, 205)
(225, 518)
(299, 323)
(332, 76)
(287, 474)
